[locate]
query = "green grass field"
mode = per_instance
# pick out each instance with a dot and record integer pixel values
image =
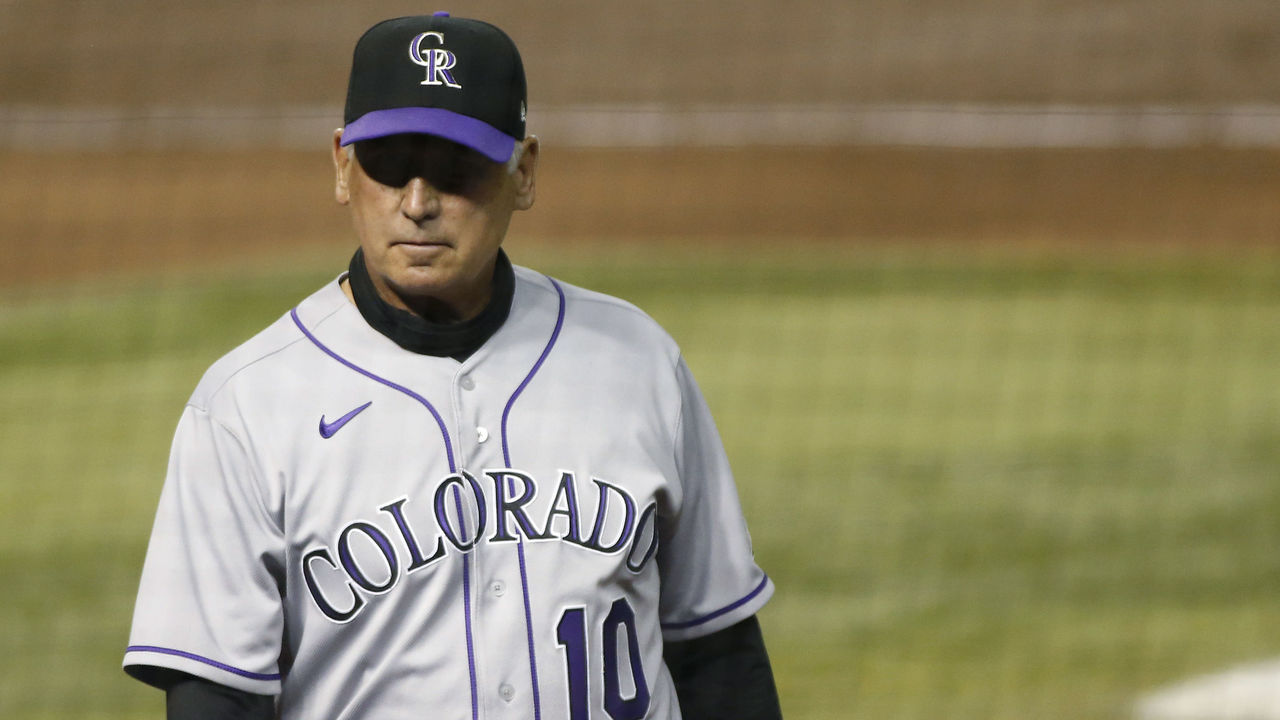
(988, 483)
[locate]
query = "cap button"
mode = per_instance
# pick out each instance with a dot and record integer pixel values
(440, 13)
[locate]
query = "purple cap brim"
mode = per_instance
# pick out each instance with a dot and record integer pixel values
(475, 134)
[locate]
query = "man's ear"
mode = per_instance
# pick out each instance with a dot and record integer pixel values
(341, 169)
(525, 173)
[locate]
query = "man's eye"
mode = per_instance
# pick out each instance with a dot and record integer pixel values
(390, 170)
(452, 173)
(454, 178)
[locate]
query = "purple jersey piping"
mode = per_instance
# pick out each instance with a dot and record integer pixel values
(205, 660)
(444, 432)
(506, 458)
(448, 449)
(466, 604)
(726, 609)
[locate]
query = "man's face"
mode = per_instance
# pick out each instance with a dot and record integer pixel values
(430, 215)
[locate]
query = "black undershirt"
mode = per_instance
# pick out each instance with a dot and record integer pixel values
(418, 335)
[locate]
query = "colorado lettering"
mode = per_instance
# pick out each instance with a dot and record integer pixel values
(370, 557)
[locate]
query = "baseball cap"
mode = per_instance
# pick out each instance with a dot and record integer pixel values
(455, 78)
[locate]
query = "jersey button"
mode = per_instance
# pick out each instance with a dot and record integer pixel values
(482, 434)
(498, 588)
(506, 692)
(467, 383)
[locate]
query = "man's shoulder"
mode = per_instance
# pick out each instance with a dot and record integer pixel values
(608, 314)
(260, 361)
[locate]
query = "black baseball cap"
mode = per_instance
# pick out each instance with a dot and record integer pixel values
(455, 78)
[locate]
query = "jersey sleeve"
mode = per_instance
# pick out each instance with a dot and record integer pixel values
(209, 602)
(709, 577)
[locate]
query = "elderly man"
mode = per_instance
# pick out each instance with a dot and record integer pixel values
(444, 485)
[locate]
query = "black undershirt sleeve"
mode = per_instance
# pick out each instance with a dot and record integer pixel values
(193, 698)
(724, 675)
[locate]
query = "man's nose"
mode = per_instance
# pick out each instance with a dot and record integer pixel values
(420, 201)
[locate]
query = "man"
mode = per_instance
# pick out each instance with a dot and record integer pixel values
(514, 504)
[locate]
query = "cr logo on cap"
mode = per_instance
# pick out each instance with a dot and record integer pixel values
(437, 61)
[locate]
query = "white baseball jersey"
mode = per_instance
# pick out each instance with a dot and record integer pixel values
(372, 533)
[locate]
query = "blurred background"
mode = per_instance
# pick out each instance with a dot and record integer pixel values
(984, 295)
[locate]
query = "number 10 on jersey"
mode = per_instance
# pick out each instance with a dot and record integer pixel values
(571, 634)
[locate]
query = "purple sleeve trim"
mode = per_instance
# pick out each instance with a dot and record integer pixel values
(722, 611)
(205, 660)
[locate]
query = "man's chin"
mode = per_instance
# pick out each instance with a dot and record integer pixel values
(415, 254)
(438, 296)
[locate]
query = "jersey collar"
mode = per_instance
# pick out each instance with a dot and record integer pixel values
(415, 334)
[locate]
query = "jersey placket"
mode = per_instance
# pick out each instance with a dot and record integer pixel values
(508, 672)
(501, 670)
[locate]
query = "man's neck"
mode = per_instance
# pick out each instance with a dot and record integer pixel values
(435, 332)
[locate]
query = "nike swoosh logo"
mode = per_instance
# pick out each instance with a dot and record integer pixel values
(328, 429)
